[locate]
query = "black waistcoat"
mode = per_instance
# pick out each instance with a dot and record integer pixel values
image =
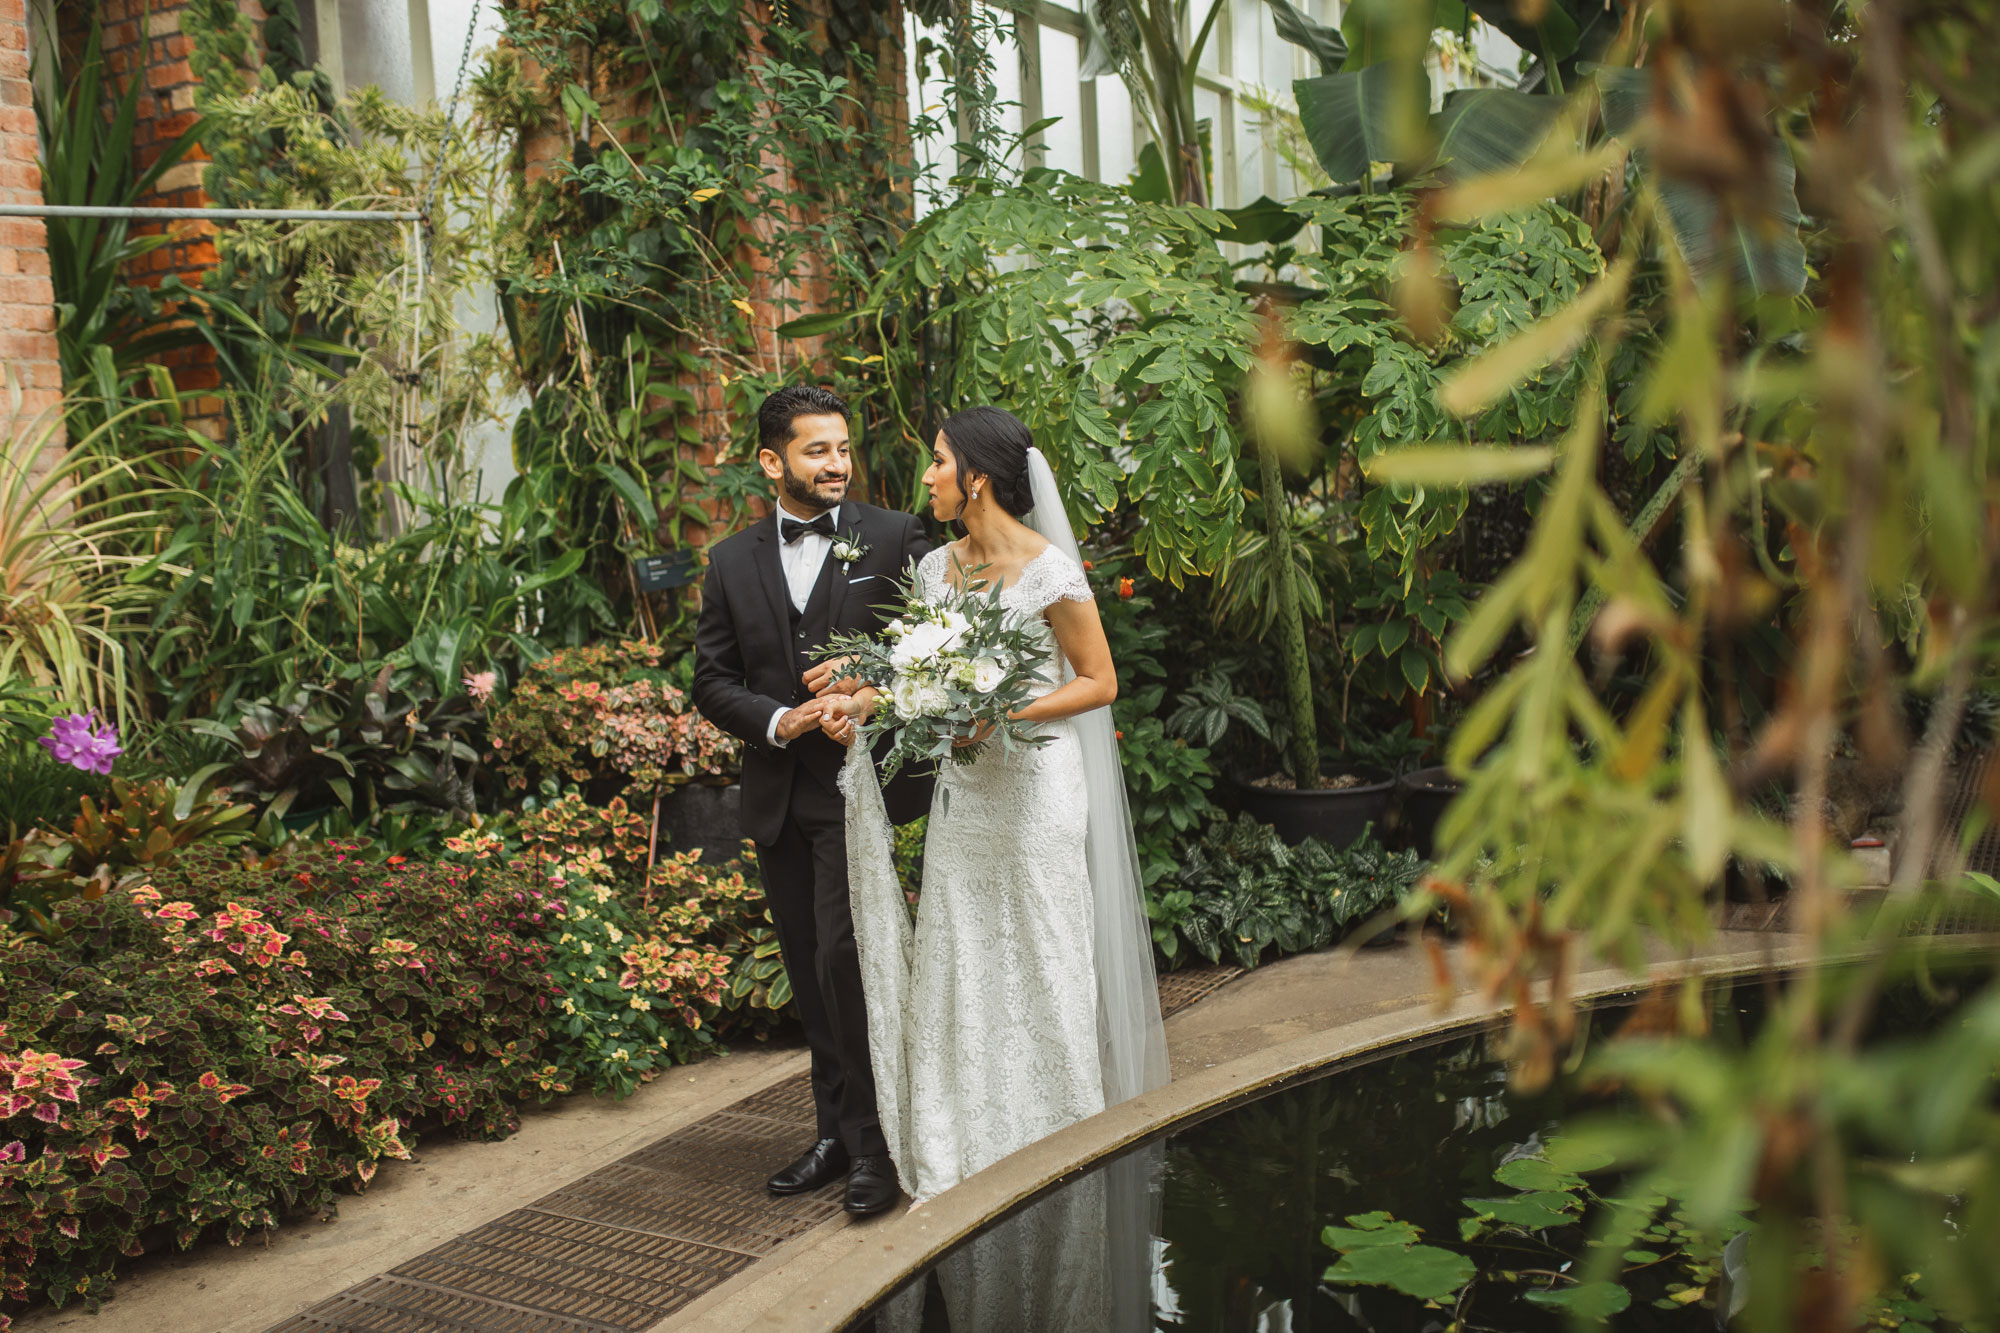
(810, 630)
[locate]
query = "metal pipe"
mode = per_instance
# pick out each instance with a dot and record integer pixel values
(208, 214)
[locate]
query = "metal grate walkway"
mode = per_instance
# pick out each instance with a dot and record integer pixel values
(634, 1241)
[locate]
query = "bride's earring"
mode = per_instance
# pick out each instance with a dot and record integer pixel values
(975, 492)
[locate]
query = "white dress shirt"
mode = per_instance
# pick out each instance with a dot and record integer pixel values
(802, 561)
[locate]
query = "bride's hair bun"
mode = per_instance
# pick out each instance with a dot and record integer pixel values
(992, 442)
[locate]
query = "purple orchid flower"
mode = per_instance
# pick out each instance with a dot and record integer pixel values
(83, 741)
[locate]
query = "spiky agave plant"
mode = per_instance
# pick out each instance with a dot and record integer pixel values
(83, 553)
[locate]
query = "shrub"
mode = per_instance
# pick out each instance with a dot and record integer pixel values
(606, 711)
(1243, 891)
(229, 1043)
(609, 864)
(114, 839)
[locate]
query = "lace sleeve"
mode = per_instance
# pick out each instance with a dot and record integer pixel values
(930, 571)
(1057, 578)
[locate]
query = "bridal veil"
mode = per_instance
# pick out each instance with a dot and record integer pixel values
(1132, 1044)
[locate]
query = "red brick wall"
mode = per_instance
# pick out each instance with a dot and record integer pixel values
(27, 302)
(159, 56)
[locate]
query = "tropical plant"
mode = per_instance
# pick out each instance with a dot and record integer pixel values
(1855, 417)
(631, 986)
(385, 744)
(1206, 709)
(83, 560)
(1344, 354)
(1112, 327)
(347, 330)
(105, 322)
(1241, 891)
(278, 599)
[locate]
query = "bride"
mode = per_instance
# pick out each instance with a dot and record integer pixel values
(1024, 998)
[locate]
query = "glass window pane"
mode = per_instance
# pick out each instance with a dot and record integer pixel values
(926, 85)
(1247, 21)
(1281, 61)
(1211, 52)
(1006, 57)
(1117, 136)
(1250, 180)
(1208, 107)
(1062, 95)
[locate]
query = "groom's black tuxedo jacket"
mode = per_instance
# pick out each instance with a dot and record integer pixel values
(752, 647)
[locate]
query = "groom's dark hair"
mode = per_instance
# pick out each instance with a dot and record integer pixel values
(994, 443)
(774, 418)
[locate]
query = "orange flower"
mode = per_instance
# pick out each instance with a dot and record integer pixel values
(1124, 587)
(1087, 566)
(1119, 735)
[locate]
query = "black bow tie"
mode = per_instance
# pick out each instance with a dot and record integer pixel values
(793, 530)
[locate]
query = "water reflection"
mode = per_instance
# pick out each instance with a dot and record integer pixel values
(1082, 1258)
(1218, 1228)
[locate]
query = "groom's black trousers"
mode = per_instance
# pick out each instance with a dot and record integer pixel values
(805, 879)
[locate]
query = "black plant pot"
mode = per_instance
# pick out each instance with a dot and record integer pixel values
(1424, 794)
(710, 818)
(1339, 815)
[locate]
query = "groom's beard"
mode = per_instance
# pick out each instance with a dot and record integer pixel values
(813, 494)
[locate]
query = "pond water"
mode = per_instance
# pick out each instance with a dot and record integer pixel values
(1218, 1227)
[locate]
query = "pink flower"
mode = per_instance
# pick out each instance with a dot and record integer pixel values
(83, 741)
(479, 684)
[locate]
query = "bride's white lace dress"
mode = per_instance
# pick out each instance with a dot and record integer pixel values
(983, 1020)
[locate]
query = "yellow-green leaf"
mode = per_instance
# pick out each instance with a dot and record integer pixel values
(1481, 383)
(1457, 465)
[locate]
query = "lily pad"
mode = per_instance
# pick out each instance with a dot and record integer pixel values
(1535, 1211)
(1589, 1300)
(1536, 1173)
(1423, 1271)
(1369, 1230)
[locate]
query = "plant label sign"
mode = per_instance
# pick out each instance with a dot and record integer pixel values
(663, 573)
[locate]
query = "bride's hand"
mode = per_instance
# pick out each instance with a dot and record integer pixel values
(979, 734)
(842, 715)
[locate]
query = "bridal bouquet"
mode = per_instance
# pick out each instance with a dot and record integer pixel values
(947, 666)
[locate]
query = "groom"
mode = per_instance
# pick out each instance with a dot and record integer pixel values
(775, 592)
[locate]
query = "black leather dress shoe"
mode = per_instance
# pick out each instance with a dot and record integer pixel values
(821, 1164)
(871, 1186)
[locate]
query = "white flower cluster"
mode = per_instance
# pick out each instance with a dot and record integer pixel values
(929, 653)
(953, 667)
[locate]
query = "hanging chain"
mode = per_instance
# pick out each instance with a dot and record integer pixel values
(450, 119)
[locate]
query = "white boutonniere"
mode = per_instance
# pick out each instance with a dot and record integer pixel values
(847, 550)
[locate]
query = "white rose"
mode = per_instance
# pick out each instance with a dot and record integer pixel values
(924, 641)
(935, 698)
(907, 694)
(956, 623)
(987, 675)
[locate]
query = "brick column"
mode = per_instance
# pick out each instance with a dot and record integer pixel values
(159, 56)
(32, 392)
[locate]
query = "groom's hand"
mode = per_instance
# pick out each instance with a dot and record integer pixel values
(802, 719)
(826, 679)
